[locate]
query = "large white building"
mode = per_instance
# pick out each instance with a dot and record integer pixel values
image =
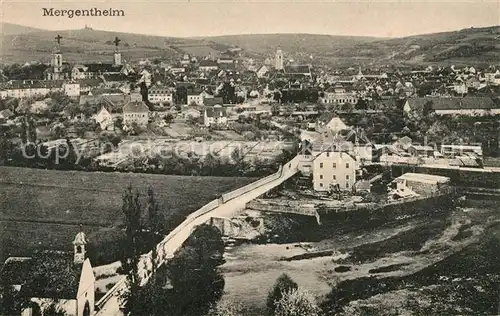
(160, 94)
(339, 95)
(332, 168)
(135, 112)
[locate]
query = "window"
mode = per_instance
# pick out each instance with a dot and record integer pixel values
(347, 185)
(334, 177)
(347, 165)
(321, 176)
(334, 165)
(321, 185)
(347, 177)
(321, 165)
(328, 154)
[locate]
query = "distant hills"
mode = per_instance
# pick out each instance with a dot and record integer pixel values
(473, 45)
(21, 44)
(14, 29)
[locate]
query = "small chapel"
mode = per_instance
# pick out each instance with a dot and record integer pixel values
(54, 279)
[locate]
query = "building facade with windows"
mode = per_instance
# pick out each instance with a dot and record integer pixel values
(331, 168)
(159, 94)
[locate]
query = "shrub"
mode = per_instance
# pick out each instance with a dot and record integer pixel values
(297, 302)
(283, 284)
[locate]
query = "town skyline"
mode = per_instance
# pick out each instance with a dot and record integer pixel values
(372, 19)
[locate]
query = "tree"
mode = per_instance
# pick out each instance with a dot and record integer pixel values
(196, 281)
(131, 209)
(155, 226)
(283, 284)
(297, 302)
(169, 118)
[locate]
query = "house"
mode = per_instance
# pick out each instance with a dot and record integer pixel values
(160, 94)
(332, 124)
(30, 88)
(420, 151)
(6, 114)
(262, 72)
(225, 60)
(298, 70)
(215, 116)
(213, 101)
(195, 98)
(333, 170)
(114, 79)
(135, 112)
(191, 113)
(54, 278)
(71, 89)
(339, 95)
(208, 65)
(451, 151)
(472, 106)
(87, 85)
(94, 70)
(419, 183)
(104, 119)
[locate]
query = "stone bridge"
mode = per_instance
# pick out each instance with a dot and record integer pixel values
(227, 206)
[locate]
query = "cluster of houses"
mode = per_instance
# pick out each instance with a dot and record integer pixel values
(202, 83)
(334, 155)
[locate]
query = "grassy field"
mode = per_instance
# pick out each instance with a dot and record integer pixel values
(43, 208)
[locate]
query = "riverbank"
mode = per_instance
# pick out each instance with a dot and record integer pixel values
(403, 249)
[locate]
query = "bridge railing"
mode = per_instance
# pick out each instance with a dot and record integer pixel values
(119, 285)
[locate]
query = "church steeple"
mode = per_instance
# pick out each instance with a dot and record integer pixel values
(57, 60)
(79, 247)
(117, 60)
(278, 59)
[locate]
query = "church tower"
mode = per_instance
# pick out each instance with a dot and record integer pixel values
(278, 59)
(57, 62)
(117, 60)
(79, 247)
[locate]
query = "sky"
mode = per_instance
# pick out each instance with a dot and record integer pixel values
(183, 18)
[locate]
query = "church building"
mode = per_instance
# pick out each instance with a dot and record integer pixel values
(53, 279)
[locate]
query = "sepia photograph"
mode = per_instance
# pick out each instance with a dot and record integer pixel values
(249, 158)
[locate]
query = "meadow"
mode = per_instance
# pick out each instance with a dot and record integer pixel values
(44, 208)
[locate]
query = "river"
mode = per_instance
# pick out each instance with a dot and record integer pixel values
(442, 262)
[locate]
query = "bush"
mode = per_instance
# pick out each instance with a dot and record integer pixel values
(297, 302)
(283, 284)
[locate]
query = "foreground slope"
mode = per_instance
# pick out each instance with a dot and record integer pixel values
(43, 208)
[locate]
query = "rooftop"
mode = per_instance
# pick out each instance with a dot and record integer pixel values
(425, 178)
(135, 107)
